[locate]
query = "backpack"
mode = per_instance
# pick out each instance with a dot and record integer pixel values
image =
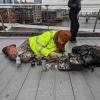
(89, 54)
(96, 51)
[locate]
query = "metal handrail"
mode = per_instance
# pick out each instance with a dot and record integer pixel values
(2, 23)
(84, 6)
(96, 21)
(50, 4)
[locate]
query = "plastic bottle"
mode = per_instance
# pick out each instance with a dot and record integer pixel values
(18, 61)
(44, 64)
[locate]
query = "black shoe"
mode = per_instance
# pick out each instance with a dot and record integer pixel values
(73, 41)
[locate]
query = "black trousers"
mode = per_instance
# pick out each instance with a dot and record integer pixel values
(73, 15)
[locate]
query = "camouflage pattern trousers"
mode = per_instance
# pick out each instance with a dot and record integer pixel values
(24, 51)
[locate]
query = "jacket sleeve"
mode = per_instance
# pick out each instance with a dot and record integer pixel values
(72, 3)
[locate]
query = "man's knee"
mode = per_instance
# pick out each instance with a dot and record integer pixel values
(26, 56)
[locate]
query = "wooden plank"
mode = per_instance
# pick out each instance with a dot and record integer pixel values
(6, 69)
(82, 90)
(63, 86)
(93, 82)
(11, 41)
(71, 45)
(3, 58)
(90, 41)
(82, 40)
(9, 72)
(80, 87)
(30, 88)
(97, 42)
(35, 85)
(4, 62)
(97, 70)
(7, 75)
(12, 89)
(46, 88)
(3, 41)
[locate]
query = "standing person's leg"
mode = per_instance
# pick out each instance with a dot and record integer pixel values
(77, 22)
(73, 21)
(74, 24)
(75, 27)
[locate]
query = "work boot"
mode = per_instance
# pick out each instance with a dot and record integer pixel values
(73, 40)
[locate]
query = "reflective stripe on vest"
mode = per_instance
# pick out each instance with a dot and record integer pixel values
(42, 46)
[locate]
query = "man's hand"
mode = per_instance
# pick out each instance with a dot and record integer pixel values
(54, 54)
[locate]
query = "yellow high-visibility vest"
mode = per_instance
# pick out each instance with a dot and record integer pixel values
(43, 44)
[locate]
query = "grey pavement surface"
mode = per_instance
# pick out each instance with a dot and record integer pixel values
(27, 83)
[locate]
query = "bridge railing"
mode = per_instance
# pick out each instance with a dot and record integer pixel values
(52, 16)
